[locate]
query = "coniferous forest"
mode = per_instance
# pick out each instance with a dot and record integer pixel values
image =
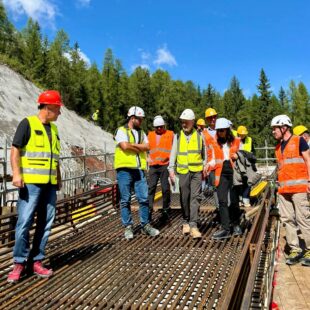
(58, 65)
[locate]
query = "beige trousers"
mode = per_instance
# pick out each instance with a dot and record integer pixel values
(295, 213)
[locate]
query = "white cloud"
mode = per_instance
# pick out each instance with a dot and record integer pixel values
(43, 11)
(83, 2)
(143, 66)
(82, 55)
(164, 57)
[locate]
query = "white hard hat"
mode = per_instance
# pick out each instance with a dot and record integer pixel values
(187, 114)
(135, 111)
(230, 122)
(158, 121)
(281, 120)
(222, 123)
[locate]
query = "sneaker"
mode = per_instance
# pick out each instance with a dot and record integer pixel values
(186, 229)
(41, 271)
(128, 232)
(305, 261)
(294, 257)
(149, 230)
(221, 234)
(16, 273)
(237, 231)
(195, 233)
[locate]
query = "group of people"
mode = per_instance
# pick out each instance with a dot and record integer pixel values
(193, 154)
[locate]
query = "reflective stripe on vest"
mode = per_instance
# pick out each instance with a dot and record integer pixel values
(39, 158)
(129, 159)
(160, 149)
(292, 173)
(189, 153)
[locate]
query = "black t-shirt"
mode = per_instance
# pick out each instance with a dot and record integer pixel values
(23, 131)
(303, 145)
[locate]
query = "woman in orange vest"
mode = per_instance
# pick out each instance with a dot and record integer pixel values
(160, 141)
(224, 150)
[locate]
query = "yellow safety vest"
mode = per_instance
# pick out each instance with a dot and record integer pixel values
(95, 116)
(234, 132)
(189, 154)
(129, 159)
(38, 163)
(247, 145)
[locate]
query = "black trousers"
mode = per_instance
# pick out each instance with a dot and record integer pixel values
(230, 215)
(155, 173)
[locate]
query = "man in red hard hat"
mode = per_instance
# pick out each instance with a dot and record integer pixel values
(34, 159)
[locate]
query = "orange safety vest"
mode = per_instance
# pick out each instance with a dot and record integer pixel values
(209, 141)
(219, 157)
(160, 153)
(292, 173)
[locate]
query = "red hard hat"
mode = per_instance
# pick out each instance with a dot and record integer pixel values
(50, 97)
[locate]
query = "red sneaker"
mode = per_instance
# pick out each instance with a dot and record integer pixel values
(41, 271)
(16, 273)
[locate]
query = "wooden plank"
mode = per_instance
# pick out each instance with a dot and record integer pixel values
(302, 276)
(291, 297)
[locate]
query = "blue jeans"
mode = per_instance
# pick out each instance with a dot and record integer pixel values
(40, 198)
(133, 179)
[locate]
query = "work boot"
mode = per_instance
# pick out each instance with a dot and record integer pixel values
(237, 231)
(195, 233)
(40, 270)
(149, 230)
(221, 234)
(128, 232)
(16, 273)
(186, 229)
(294, 257)
(305, 261)
(164, 216)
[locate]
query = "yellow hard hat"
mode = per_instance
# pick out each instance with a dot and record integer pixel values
(210, 112)
(97, 111)
(201, 122)
(299, 130)
(242, 130)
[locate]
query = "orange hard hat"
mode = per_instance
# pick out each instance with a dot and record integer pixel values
(50, 97)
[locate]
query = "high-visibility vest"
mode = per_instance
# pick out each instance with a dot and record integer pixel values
(129, 159)
(247, 145)
(189, 156)
(160, 153)
(234, 132)
(95, 116)
(209, 141)
(39, 161)
(219, 157)
(292, 173)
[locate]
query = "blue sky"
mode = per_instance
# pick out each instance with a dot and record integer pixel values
(200, 40)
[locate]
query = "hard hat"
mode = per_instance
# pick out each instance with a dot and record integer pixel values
(210, 112)
(281, 120)
(97, 111)
(230, 122)
(201, 122)
(242, 130)
(158, 121)
(222, 123)
(135, 111)
(299, 130)
(187, 114)
(50, 97)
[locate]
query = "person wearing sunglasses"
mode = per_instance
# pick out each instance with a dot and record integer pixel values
(224, 151)
(187, 156)
(130, 164)
(160, 140)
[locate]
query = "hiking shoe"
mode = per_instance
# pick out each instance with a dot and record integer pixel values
(195, 233)
(16, 273)
(186, 229)
(305, 261)
(294, 257)
(237, 231)
(149, 230)
(221, 234)
(128, 232)
(40, 270)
